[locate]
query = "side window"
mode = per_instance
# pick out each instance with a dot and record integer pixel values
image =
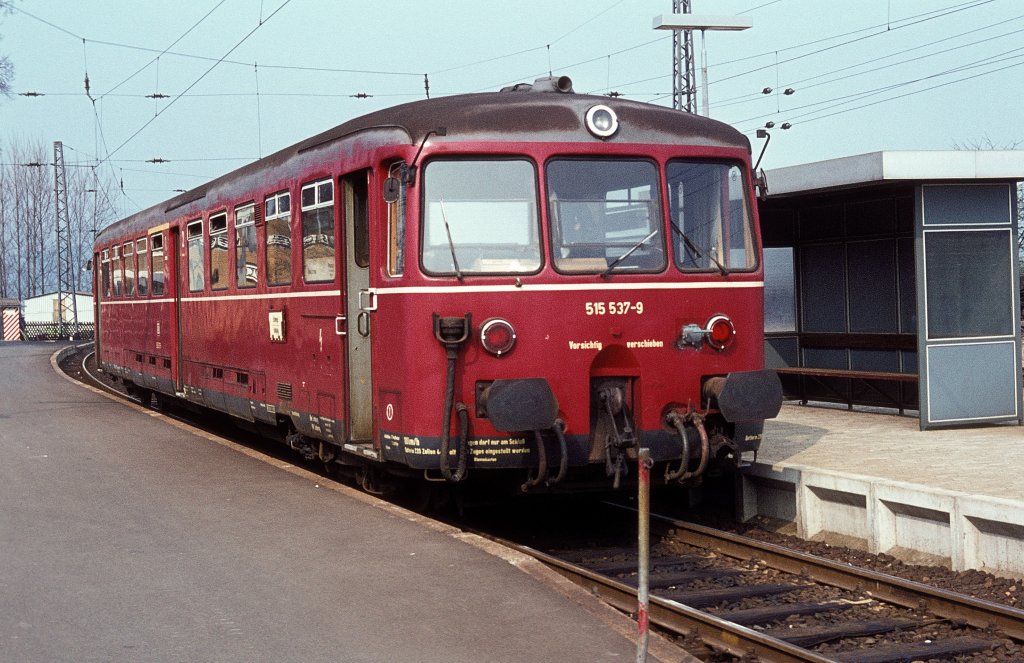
(157, 243)
(194, 236)
(279, 239)
(142, 255)
(219, 251)
(396, 233)
(117, 271)
(245, 246)
(318, 232)
(106, 272)
(129, 269)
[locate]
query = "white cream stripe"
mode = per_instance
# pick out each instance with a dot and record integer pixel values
(469, 289)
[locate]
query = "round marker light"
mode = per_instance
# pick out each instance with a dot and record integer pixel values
(602, 121)
(497, 336)
(720, 332)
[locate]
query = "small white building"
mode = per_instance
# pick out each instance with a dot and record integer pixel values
(46, 308)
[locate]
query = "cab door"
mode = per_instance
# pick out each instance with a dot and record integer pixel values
(360, 303)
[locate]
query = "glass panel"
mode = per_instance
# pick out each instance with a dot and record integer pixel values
(605, 214)
(779, 290)
(710, 216)
(117, 273)
(106, 275)
(129, 270)
(968, 286)
(480, 217)
(142, 254)
(219, 269)
(196, 275)
(245, 246)
(279, 241)
(158, 264)
(396, 234)
(318, 232)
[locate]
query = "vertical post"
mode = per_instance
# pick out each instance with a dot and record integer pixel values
(644, 552)
(704, 74)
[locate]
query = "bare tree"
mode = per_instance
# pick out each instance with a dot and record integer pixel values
(6, 66)
(28, 240)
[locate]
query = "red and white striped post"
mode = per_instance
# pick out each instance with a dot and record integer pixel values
(644, 552)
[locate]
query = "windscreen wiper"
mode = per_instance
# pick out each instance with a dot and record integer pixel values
(625, 255)
(451, 245)
(700, 254)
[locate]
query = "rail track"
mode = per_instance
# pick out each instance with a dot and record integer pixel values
(729, 596)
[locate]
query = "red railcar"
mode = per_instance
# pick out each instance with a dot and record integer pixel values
(524, 285)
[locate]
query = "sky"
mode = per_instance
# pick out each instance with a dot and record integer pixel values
(244, 78)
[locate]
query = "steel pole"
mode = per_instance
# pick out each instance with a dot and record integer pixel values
(644, 553)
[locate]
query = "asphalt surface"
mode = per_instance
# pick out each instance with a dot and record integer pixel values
(124, 537)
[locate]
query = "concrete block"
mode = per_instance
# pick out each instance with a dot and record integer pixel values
(993, 535)
(830, 503)
(915, 523)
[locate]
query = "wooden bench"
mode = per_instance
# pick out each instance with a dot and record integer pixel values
(825, 378)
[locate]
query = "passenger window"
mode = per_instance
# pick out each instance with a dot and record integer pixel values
(279, 239)
(219, 251)
(142, 255)
(318, 232)
(116, 266)
(129, 269)
(245, 246)
(106, 272)
(196, 274)
(157, 244)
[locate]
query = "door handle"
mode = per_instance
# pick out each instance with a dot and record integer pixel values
(367, 300)
(363, 324)
(341, 325)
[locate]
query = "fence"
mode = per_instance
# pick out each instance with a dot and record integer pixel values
(52, 331)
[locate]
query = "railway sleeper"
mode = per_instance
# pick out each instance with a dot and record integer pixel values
(774, 613)
(810, 636)
(705, 598)
(664, 581)
(913, 651)
(616, 567)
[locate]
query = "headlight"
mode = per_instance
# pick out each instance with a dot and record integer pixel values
(602, 121)
(497, 336)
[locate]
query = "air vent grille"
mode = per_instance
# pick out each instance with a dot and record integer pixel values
(284, 391)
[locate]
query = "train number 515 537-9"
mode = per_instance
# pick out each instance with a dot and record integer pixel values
(613, 308)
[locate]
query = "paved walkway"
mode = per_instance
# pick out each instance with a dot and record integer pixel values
(124, 537)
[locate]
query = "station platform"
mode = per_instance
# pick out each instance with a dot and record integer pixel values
(127, 536)
(876, 482)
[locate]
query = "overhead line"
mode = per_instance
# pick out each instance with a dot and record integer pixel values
(196, 82)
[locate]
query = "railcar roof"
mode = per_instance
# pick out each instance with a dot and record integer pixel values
(493, 116)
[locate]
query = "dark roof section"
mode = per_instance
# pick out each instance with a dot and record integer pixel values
(493, 116)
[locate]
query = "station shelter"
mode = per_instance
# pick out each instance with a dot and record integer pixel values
(892, 280)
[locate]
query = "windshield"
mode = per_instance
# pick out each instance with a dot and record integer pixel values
(710, 217)
(605, 216)
(480, 217)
